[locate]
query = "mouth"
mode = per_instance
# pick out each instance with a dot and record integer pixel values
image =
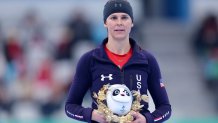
(119, 30)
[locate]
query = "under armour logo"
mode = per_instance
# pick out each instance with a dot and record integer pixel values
(108, 77)
(116, 5)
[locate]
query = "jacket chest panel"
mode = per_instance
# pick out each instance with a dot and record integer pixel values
(135, 78)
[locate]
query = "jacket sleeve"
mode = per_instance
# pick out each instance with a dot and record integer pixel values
(159, 95)
(79, 86)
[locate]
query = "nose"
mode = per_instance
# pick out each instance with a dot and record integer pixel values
(119, 21)
(122, 95)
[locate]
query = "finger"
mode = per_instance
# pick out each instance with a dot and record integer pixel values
(135, 115)
(100, 113)
(102, 119)
(136, 121)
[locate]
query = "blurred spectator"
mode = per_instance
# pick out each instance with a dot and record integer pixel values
(64, 48)
(211, 73)
(206, 48)
(13, 49)
(31, 27)
(211, 69)
(79, 27)
(13, 52)
(206, 37)
(44, 83)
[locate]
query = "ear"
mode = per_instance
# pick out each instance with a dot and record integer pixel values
(132, 25)
(105, 25)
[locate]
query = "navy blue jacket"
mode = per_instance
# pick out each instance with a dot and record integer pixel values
(141, 72)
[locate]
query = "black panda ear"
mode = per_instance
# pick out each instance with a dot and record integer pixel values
(116, 92)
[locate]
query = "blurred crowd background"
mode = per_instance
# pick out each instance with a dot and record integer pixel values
(41, 42)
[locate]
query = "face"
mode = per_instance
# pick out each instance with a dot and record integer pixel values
(119, 26)
(121, 95)
(119, 99)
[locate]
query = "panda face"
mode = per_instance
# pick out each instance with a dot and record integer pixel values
(124, 93)
(119, 99)
(121, 95)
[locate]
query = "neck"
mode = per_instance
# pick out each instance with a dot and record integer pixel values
(119, 47)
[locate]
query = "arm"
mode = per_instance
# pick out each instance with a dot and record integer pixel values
(159, 95)
(79, 86)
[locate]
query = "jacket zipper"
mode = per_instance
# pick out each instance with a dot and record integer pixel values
(122, 76)
(131, 82)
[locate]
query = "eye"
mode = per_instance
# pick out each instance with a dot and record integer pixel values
(125, 17)
(127, 93)
(116, 92)
(113, 18)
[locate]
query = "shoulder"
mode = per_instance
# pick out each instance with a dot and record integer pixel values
(90, 55)
(87, 56)
(143, 53)
(152, 61)
(146, 54)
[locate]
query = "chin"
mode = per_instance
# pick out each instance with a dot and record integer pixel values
(120, 37)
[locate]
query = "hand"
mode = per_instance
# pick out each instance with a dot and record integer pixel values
(138, 118)
(98, 116)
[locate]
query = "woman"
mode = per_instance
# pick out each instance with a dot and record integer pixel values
(119, 60)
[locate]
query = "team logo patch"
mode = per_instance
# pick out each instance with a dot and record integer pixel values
(117, 5)
(106, 77)
(139, 81)
(161, 83)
